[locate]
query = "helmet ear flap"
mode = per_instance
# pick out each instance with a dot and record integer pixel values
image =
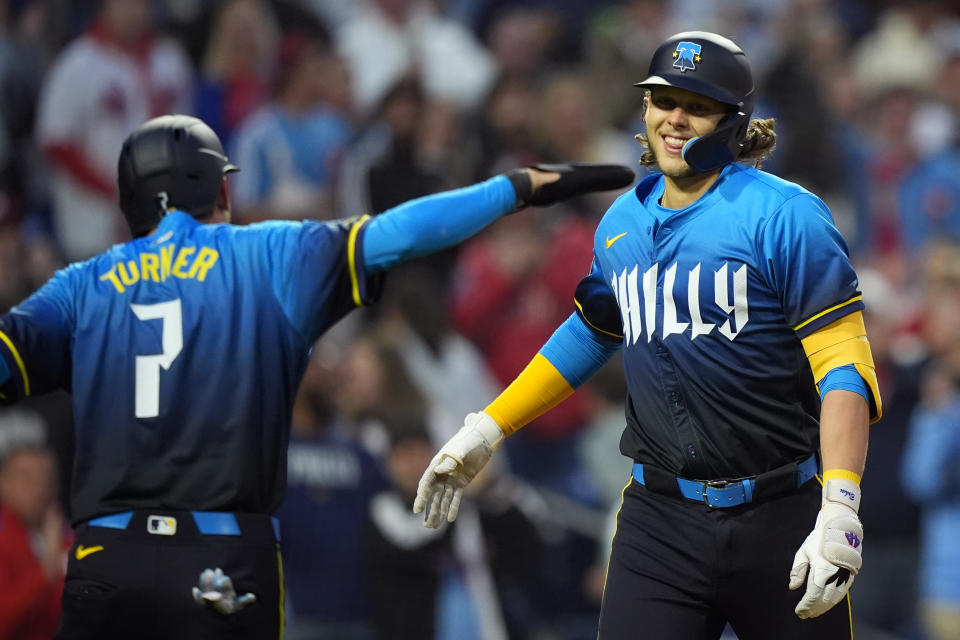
(719, 147)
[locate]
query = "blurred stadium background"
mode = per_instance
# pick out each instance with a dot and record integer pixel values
(335, 108)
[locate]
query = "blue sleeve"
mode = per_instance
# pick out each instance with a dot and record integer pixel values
(577, 352)
(425, 225)
(928, 468)
(314, 272)
(808, 264)
(35, 341)
(844, 377)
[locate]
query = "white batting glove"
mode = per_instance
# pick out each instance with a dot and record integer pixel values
(455, 465)
(216, 589)
(829, 559)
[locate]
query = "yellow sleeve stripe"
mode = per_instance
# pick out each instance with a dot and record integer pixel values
(537, 389)
(583, 316)
(847, 327)
(842, 342)
(352, 260)
(842, 474)
(16, 356)
(826, 311)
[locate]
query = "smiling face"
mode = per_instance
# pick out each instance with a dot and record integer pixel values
(674, 116)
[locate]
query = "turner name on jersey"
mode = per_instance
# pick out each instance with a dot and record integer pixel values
(169, 260)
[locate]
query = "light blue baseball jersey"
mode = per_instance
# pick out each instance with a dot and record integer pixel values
(714, 300)
(179, 341)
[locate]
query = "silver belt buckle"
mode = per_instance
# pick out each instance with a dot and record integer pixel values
(713, 484)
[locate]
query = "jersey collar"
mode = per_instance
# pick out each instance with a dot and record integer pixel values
(650, 196)
(176, 219)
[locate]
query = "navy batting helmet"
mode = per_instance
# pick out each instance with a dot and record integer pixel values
(713, 66)
(169, 162)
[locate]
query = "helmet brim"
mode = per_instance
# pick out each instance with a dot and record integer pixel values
(692, 85)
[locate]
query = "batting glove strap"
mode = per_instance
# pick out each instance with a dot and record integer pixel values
(576, 178)
(455, 465)
(842, 491)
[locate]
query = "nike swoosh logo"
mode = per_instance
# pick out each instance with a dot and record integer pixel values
(610, 240)
(83, 552)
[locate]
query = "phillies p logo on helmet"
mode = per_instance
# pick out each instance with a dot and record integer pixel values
(687, 55)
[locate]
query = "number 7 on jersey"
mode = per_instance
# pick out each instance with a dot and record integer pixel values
(148, 367)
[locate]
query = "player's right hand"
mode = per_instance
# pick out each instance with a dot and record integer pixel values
(455, 465)
(829, 559)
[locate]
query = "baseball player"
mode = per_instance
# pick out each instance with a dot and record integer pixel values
(183, 350)
(733, 300)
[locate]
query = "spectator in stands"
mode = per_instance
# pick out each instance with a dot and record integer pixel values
(331, 479)
(238, 65)
(390, 37)
(575, 126)
(522, 38)
(930, 475)
(405, 562)
(507, 136)
(899, 357)
(27, 31)
(12, 284)
(929, 472)
(114, 77)
(33, 533)
(291, 147)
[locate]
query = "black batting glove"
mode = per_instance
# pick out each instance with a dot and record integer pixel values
(576, 179)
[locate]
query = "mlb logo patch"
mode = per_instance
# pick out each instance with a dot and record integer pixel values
(162, 525)
(687, 56)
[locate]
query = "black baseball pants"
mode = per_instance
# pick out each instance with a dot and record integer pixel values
(130, 583)
(680, 570)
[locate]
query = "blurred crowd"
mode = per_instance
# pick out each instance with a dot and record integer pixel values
(333, 109)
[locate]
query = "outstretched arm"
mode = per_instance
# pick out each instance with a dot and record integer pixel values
(431, 223)
(570, 357)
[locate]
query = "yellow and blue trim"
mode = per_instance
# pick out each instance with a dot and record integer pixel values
(829, 315)
(352, 261)
(840, 343)
(11, 349)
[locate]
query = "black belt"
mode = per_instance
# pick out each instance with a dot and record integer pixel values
(728, 493)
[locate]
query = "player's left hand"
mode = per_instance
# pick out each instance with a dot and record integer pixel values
(455, 465)
(216, 589)
(829, 559)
